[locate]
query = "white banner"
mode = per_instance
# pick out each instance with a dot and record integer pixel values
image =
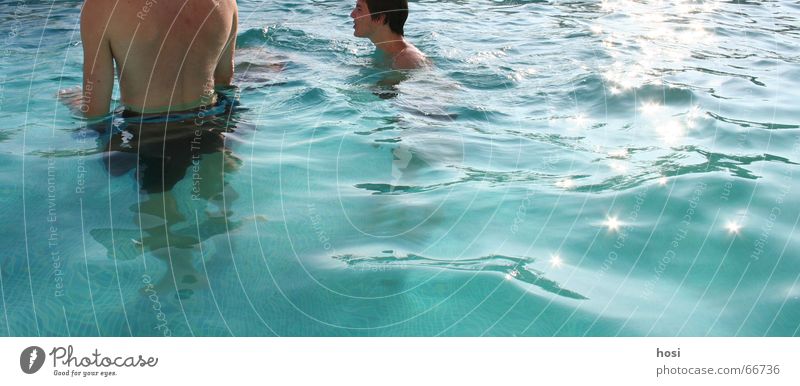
(399, 361)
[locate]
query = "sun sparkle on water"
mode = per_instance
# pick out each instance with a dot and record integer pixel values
(733, 227)
(612, 223)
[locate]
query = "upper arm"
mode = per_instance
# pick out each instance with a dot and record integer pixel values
(411, 60)
(406, 62)
(98, 61)
(223, 74)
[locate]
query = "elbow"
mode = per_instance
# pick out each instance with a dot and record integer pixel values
(94, 110)
(223, 80)
(94, 115)
(223, 74)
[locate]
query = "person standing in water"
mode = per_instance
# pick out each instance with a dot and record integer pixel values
(171, 58)
(169, 55)
(382, 21)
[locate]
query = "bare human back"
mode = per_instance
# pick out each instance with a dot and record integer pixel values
(169, 55)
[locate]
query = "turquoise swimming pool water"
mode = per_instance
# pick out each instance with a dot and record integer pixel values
(569, 168)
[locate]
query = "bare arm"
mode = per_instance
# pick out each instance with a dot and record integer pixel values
(98, 62)
(223, 74)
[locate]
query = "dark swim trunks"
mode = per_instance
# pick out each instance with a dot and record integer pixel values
(165, 146)
(224, 105)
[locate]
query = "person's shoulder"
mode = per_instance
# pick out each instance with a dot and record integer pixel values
(411, 59)
(96, 11)
(96, 7)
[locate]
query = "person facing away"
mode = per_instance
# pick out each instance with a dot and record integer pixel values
(382, 21)
(169, 55)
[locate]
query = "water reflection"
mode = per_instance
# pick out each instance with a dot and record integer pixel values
(381, 81)
(658, 35)
(180, 163)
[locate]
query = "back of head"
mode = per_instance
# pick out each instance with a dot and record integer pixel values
(395, 12)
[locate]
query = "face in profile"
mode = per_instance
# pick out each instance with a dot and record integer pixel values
(363, 25)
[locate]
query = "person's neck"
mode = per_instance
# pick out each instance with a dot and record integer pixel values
(389, 42)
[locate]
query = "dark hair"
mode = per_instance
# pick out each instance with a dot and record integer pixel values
(396, 12)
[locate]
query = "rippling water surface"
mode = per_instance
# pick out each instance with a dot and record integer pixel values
(567, 168)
